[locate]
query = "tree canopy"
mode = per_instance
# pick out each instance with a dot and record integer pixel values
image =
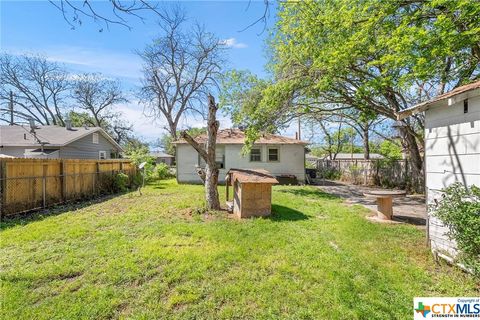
(374, 56)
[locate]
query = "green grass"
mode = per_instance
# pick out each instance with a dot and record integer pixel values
(159, 256)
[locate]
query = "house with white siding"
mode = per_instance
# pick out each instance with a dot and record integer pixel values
(277, 154)
(452, 151)
(55, 142)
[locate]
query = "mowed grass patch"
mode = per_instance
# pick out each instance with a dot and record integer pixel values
(159, 256)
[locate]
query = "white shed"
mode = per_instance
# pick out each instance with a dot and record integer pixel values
(452, 150)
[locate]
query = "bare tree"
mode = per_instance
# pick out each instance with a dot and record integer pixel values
(180, 67)
(96, 95)
(74, 12)
(121, 131)
(39, 88)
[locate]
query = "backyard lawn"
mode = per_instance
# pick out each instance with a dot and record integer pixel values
(158, 255)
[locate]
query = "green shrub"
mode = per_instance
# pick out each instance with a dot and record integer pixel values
(459, 209)
(121, 182)
(106, 183)
(330, 174)
(355, 171)
(161, 171)
(137, 180)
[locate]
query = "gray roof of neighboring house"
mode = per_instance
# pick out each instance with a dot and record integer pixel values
(356, 156)
(53, 136)
(160, 154)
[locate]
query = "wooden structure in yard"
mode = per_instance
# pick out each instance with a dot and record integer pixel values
(385, 201)
(252, 192)
(27, 184)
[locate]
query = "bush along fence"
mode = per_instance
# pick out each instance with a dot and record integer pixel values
(380, 172)
(27, 184)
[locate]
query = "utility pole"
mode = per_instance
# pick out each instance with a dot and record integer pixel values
(11, 108)
(299, 129)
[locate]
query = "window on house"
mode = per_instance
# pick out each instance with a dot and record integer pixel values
(255, 155)
(95, 138)
(102, 155)
(465, 106)
(220, 157)
(273, 154)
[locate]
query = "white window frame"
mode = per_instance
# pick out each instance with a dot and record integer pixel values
(278, 154)
(95, 138)
(250, 155)
(100, 153)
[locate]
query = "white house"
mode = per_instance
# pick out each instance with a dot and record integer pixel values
(276, 154)
(452, 150)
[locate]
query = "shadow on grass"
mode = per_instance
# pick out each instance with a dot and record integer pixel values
(27, 217)
(281, 213)
(311, 193)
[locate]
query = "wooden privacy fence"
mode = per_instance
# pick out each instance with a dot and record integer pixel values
(27, 184)
(380, 172)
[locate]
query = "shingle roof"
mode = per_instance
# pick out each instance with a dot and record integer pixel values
(160, 154)
(54, 136)
(424, 105)
(356, 156)
(236, 136)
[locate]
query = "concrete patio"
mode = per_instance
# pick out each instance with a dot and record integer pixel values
(410, 209)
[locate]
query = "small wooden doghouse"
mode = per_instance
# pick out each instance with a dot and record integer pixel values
(252, 192)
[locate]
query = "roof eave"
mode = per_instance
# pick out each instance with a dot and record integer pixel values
(424, 106)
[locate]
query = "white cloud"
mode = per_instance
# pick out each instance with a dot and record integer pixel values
(85, 59)
(145, 127)
(232, 43)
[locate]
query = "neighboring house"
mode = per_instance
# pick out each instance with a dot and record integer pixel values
(162, 157)
(276, 154)
(52, 142)
(452, 150)
(354, 156)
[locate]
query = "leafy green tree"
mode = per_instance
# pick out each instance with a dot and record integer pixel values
(120, 130)
(241, 92)
(165, 141)
(390, 150)
(380, 56)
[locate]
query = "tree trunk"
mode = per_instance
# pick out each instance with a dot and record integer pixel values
(415, 158)
(211, 172)
(208, 154)
(366, 144)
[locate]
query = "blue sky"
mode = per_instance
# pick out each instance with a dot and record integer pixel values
(38, 27)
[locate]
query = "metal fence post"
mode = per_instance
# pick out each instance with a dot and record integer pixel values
(44, 186)
(63, 184)
(3, 187)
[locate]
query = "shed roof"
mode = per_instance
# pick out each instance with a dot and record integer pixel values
(237, 136)
(425, 105)
(52, 136)
(252, 176)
